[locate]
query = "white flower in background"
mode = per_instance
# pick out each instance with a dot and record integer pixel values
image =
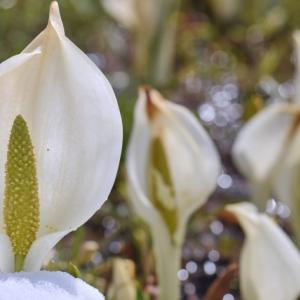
(226, 10)
(60, 144)
(123, 284)
(262, 146)
(269, 262)
(132, 13)
(153, 24)
(267, 152)
(172, 168)
(45, 285)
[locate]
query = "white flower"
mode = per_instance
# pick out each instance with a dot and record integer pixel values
(225, 10)
(123, 284)
(60, 143)
(172, 168)
(45, 285)
(267, 152)
(132, 13)
(269, 262)
(261, 147)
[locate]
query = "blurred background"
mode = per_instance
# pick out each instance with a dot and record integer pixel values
(225, 60)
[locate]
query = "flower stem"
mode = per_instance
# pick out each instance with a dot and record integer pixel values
(19, 262)
(163, 44)
(167, 260)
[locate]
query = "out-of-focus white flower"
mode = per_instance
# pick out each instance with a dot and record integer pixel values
(153, 24)
(132, 13)
(226, 10)
(60, 144)
(172, 164)
(261, 150)
(269, 262)
(123, 282)
(172, 168)
(45, 285)
(267, 152)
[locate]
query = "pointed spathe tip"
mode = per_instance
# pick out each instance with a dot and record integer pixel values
(154, 100)
(55, 18)
(241, 208)
(145, 92)
(54, 6)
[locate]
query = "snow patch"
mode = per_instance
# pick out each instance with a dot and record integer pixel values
(45, 285)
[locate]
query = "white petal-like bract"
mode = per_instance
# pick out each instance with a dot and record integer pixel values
(133, 14)
(267, 151)
(261, 149)
(192, 159)
(45, 285)
(75, 126)
(172, 168)
(260, 143)
(269, 262)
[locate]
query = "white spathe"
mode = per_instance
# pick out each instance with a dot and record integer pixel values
(269, 262)
(267, 150)
(262, 151)
(193, 163)
(260, 144)
(45, 285)
(192, 158)
(133, 13)
(76, 131)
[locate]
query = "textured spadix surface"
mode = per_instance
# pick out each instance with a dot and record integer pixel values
(74, 140)
(45, 286)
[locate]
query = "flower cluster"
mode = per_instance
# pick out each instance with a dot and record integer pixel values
(61, 139)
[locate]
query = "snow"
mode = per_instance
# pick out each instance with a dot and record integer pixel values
(45, 285)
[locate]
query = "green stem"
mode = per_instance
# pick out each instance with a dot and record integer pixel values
(155, 51)
(167, 261)
(19, 262)
(163, 44)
